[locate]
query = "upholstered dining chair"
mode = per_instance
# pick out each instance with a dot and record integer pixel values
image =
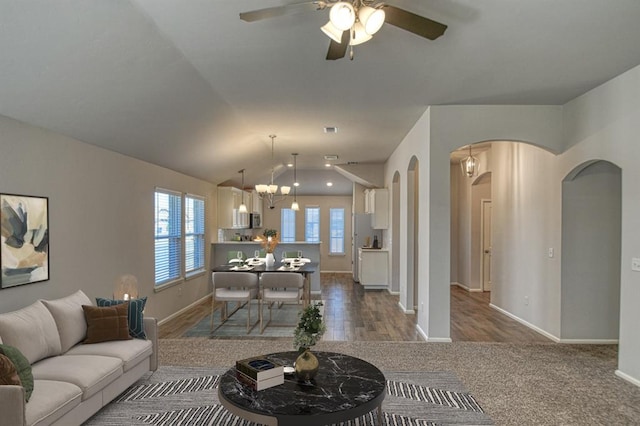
(279, 287)
(240, 287)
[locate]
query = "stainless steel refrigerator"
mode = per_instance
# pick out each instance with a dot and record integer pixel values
(362, 233)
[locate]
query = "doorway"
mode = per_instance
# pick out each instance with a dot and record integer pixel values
(485, 238)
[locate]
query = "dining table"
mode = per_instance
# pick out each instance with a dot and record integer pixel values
(306, 269)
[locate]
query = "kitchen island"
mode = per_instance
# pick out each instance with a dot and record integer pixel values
(310, 251)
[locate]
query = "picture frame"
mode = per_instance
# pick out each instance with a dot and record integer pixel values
(24, 240)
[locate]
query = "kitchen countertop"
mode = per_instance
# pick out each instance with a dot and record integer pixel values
(258, 242)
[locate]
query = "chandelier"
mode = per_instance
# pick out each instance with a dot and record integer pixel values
(294, 205)
(360, 17)
(469, 165)
(269, 191)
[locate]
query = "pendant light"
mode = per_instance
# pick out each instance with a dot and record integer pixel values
(269, 191)
(470, 165)
(243, 206)
(294, 206)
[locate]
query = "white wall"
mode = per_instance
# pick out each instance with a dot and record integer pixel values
(100, 216)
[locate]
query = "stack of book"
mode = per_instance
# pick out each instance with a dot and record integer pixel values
(259, 373)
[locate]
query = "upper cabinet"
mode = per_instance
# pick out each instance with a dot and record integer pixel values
(256, 203)
(376, 203)
(229, 200)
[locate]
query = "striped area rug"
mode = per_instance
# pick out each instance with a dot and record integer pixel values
(188, 396)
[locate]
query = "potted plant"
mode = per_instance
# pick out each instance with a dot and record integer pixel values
(308, 332)
(269, 241)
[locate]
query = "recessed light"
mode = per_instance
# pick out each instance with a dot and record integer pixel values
(296, 183)
(328, 165)
(289, 164)
(331, 130)
(331, 157)
(329, 183)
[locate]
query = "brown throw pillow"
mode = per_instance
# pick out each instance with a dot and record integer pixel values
(8, 372)
(106, 323)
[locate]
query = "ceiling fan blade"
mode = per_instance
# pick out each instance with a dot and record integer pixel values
(413, 23)
(272, 12)
(338, 50)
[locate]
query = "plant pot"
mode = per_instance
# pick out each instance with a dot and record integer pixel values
(306, 366)
(270, 259)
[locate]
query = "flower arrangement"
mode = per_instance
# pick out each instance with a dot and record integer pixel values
(310, 328)
(269, 240)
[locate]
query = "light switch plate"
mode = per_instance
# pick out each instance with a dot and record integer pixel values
(635, 264)
(551, 252)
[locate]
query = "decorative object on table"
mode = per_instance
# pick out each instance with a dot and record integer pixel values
(269, 241)
(309, 330)
(259, 373)
(126, 287)
(24, 240)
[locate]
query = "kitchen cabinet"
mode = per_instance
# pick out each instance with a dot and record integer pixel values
(376, 203)
(373, 268)
(229, 200)
(256, 203)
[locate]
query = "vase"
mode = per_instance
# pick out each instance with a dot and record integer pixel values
(306, 366)
(270, 259)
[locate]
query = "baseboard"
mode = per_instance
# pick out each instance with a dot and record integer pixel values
(432, 339)
(628, 378)
(526, 323)
(183, 310)
(589, 341)
(393, 293)
(464, 287)
(336, 272)
(405, 310)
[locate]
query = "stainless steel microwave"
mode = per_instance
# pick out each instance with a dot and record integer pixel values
(255, 221)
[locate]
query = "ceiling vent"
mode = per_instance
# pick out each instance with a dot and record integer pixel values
(331, 130)
(330, 157)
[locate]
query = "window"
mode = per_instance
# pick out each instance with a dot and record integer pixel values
(179, 235)
(312, 224)
(193, 234)
(288, 226)
(336, 231)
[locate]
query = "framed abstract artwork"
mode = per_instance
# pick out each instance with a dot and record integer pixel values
(24, 240)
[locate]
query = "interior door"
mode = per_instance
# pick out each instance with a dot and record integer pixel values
(486, 245)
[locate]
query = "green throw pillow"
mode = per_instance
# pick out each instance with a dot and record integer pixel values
(23, 367)
(136, 306)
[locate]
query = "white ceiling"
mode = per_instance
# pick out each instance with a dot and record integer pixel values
(189, 86)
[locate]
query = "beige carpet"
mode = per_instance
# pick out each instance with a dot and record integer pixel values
(516, 384)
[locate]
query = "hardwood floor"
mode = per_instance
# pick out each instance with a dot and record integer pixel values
(352, 314)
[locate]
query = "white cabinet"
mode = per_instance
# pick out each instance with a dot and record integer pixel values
(373, 268)
(229, 200)
(376, 203)
(256, 203)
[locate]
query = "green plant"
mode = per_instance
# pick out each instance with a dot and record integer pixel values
(310, 328)
(270, 233)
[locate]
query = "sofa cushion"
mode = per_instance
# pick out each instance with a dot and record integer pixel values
(8, 372)
(91, 373)
(32, 330)
(106, 323)
(51, 400)
(135, 314)
(131, 352)
(69, 317)
(22, 366)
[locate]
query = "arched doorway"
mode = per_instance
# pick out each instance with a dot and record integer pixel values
(412, 235)
(591, 252)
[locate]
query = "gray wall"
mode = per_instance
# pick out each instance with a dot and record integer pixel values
(591, 223)
(100, 216)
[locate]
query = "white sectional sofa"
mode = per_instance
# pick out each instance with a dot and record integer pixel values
(72, 380)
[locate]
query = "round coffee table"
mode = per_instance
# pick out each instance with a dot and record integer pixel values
(344, 388)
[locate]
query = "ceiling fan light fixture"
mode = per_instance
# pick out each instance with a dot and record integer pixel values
(332, 32)
(371, 18)
(342, 15)
(359, 35)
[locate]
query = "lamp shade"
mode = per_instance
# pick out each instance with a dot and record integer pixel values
(330, 30)
(285, 190)
(242, 208)
(359, 35)
(261, 188)
(272, 189)
(371, 18)
(294, 206)
(342, 15)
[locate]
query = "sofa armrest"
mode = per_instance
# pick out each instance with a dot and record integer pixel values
(151, 330)
(12, 405)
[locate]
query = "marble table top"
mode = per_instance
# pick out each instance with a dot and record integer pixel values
(344, 388)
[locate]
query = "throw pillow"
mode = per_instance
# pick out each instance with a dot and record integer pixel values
(22, 367)
(8, 372)
(106, 323)
(69, 317)
(135, 315)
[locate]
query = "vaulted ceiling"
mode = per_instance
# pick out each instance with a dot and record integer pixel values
(189, 86)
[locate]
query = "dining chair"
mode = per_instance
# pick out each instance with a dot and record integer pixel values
(279, 287)
(240, 287)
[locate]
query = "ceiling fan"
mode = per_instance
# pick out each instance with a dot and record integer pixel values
(354, 22)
